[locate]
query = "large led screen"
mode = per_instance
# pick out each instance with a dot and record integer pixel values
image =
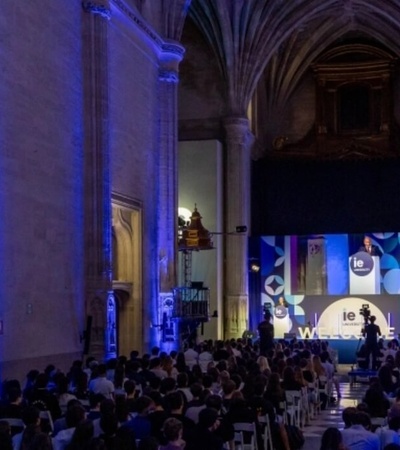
(327, 280)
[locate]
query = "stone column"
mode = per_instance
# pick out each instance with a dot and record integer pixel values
(171, 55)
(238, 149)
(100, 302)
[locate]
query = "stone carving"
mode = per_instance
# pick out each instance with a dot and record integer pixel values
(168, 76)
(97, 7)
(139, 22)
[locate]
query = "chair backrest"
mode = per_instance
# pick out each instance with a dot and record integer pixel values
(16, 425)
(248, 430)
(293, 397)
(264, 420)
(46, 421)
(245, 426)
(238, 440)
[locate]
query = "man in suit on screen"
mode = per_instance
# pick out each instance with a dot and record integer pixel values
(367, 247)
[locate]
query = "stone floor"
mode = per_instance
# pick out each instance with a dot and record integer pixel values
(332, 416)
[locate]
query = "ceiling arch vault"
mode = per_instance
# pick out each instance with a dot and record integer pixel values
(282, 38)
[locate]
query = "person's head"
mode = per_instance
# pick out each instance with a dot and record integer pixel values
(83, 432)
(367, 241)
(208, 419)
(172, 429)
(167, 385)
(129, 387)
(288, 375)
(144, 404)
(75, 415)
(372, 319)
(281, 301)
(214, 401)
(331, 439)
(107, 406)
(348, 416)
(109, 424)
(174, 401)
(95, 400)
(362, 418)
(31, 416)
(15, 395)
(228, 387)
(101, 370)
(155, 351)
(41, 381)
(196, 389)
(182, 380)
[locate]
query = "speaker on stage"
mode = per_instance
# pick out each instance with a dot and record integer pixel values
(282, 323)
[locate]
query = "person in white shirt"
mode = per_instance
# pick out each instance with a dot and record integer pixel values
(330, 372)
(101, 385)
(389, 434)
(205, 358)
(191, 356)
(357, 437)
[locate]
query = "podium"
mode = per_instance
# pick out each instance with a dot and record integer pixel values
(365, 274)
(281, 321)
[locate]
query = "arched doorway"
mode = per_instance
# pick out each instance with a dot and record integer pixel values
(127, 273)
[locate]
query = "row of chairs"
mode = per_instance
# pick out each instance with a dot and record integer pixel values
(299, 409)
(17, 425)
(246, 435)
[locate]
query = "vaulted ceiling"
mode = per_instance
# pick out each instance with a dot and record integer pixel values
(285, 37)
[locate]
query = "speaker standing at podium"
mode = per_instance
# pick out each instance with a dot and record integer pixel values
(373, 250)
(281, 318)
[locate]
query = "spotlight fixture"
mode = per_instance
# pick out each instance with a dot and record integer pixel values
(254, 267)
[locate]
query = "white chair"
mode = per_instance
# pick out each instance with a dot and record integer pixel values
(267, 436)
(46, 421)
(314, 387)
(325, 387)
(294, 407)
(248, 430)
(282, 407)
(238, 441)
(305, 404)
(16, 425)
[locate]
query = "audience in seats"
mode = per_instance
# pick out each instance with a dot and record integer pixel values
(193, 398)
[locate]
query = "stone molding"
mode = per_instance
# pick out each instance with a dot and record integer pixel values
(141, 23)
(97, 7)
(168, 76)
(173, 48)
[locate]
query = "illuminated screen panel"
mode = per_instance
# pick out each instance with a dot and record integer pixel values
(326, 279)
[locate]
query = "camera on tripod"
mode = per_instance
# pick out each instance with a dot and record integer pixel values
(365, 312)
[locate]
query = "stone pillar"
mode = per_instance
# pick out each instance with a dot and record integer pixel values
(171, 55)
(100, 302)
(238, 149)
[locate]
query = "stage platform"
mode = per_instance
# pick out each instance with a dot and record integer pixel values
(361, 373)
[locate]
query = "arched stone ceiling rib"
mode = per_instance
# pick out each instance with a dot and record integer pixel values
(247, 34)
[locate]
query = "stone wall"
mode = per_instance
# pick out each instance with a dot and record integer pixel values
(41, 216)
(134, 135)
